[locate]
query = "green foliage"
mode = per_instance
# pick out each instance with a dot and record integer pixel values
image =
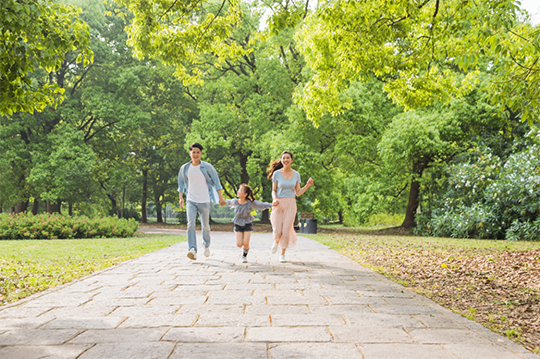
(425, 52)
(516, 54)
(180, 32)
(46, 226)
(30, 266)
(37, 34)
(485, 196)
(420, 136)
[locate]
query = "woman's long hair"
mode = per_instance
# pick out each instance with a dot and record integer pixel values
(276, 164)
(248, 191)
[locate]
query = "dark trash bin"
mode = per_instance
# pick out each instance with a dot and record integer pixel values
(308, 226)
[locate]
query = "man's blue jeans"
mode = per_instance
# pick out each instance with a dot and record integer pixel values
(204, 214)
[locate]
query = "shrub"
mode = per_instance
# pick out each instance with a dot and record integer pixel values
(486, 197)
(55, 226)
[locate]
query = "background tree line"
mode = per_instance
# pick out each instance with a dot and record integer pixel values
(383, 103)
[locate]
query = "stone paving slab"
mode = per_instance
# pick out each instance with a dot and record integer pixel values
(320, 304)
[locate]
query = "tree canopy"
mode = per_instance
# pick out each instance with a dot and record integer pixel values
(37, 34)
(425, 51)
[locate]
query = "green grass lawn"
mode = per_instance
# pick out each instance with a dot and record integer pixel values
(29, 266)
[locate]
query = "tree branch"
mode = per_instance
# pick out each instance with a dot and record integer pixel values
(86, 139)
(82, 77)
(190, 94)
(306, 8)
(210, 23)
(169, 9)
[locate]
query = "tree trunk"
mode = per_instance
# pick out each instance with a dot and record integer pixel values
(54, 207)
(144, 194)
(70, 210)
(340, 217)
(244, 176)
(114, 204)
(412, 205)
(1, 207)
(35, 206)
(11, 209)
(159, 211)
(21, 207)
(165, 214)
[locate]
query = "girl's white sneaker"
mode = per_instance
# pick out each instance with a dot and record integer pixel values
(282, 258)
(274, 247)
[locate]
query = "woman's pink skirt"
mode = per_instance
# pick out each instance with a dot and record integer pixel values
(282, 218)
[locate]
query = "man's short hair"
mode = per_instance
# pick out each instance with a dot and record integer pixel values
(196, 145)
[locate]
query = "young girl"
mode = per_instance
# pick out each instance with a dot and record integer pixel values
(243, 220)
(285, 188)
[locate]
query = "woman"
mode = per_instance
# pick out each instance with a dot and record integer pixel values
(285, 188)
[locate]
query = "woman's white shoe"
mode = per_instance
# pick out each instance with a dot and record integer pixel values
(274, 247)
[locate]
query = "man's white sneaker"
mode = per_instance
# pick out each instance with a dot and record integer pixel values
(192, 254)
(207, 252)
(244, 259)
(282, 258)
(274, 247)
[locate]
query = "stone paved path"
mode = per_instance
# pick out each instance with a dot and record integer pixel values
(319, 305)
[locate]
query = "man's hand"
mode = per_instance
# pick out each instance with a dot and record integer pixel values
(310, 182)
(181, 201)
(222, 202)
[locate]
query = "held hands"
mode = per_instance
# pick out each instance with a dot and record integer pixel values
(275, 203)
(222, 202)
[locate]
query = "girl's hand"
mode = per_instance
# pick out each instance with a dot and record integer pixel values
(275, 203)
(310, 182)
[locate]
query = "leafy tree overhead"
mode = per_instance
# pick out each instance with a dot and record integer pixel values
(425, 51)
(179, 32)
(37, 34)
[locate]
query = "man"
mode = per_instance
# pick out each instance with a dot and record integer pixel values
(200, 181)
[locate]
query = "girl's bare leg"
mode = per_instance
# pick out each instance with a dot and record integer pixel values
(239, 239)
(247, 237)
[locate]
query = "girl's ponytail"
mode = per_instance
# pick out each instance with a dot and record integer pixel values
(248, 191)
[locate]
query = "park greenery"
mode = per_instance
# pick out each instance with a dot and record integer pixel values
(55, 226)
(421, 108)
